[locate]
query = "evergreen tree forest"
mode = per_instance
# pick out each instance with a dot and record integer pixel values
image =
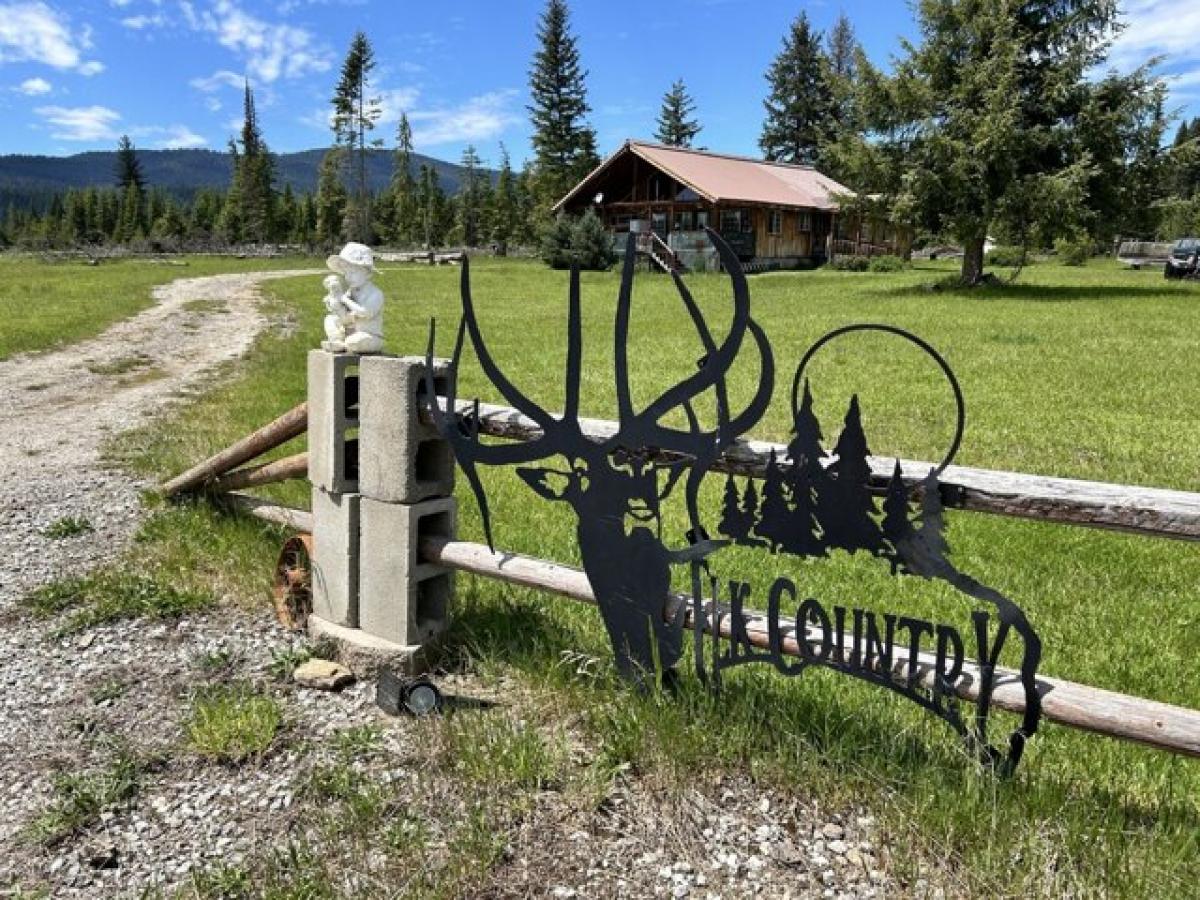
(994, 121)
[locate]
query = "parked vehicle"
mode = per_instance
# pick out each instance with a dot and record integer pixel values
(1183, 261)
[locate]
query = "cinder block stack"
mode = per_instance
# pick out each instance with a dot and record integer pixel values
(382, 481)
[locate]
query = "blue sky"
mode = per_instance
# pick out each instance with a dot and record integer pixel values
(75, 74)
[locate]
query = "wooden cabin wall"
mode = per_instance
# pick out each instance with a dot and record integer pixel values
(791, 241)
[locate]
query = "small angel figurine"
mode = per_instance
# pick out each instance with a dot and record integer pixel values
(355, 305)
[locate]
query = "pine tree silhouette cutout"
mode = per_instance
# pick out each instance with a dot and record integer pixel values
(775, 515)
(750, 515)
(845, 507)
(805, 481)
(897, 527)
(733, 524)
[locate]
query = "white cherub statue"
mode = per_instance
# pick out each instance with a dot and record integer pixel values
(355, 320)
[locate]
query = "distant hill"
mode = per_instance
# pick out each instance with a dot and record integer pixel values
(32, 180)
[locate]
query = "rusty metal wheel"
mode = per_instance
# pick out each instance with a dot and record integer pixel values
(293, 583)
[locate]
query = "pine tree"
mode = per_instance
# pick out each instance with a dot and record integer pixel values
(432, 207)
(471, 198)
(978, 121)
(675, 128)
(845, 507)
(733, 523)
(1182, 136)
(565, 146)
(250, 211)
(897, 527)
(805, 480)
(842, 52)
(331, 200)
(129, 218)
(775, 515)
(749, 512)
(505, 206)
(354, 115)
(800, 106)
(403, 188)
(129, 167)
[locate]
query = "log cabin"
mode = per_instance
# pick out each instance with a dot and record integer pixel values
(774, 215)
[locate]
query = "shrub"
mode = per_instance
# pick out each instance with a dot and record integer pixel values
(556, 243)
(584, 241)
(850, 263)
(886, 264)
(1073, 251)
(1009, 257)
(591, 243)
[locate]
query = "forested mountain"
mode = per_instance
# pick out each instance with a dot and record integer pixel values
(32, 180)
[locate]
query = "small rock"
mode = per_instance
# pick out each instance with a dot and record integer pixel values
(86, 641)
(838, 847)
(322, 675)
(833, 831)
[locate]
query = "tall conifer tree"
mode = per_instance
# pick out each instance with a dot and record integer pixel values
(800, 106)
(354, 116)
(564, 144)
(676, 126)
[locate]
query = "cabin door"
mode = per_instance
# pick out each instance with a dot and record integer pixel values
(820, 234)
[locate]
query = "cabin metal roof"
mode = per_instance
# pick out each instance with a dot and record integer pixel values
(721, 178)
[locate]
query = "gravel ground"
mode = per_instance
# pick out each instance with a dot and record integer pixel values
(66, 702)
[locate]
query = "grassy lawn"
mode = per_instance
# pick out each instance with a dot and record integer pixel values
(1089, 373)
(46, 305)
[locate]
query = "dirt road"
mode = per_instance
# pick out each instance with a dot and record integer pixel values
(60, 406)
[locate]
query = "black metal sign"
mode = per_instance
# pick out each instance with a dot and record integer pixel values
(812, 503)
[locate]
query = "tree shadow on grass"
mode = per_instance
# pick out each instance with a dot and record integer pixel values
(1041, 293)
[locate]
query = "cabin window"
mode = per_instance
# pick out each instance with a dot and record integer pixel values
(685, 220)
(702, 218)
(658, 222)
(734, 221)
(804, 221)
(775, 222)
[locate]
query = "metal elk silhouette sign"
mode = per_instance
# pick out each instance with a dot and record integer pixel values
(813, 502)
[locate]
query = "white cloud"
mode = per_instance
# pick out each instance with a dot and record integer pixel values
(120, 4)
(270, 50)
(218, 80)
(174, 137)
(478, 119)
(80, 123)
(89, 69)
(143, 21)
(1165, 28)
(33, 32)
(212, 104)
(32, 87)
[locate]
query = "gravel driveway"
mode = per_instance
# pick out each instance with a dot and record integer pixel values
(728, 840)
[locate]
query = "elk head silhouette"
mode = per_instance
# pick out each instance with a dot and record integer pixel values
(616, 486)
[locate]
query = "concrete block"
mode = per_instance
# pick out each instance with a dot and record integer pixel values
(336, 525)
(366, 655)
(333, 420)
(401, 599)
(401, 460)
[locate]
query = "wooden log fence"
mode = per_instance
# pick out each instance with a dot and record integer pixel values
(1137, 510)
(285, 469)
(289, 425)
(1163, 726)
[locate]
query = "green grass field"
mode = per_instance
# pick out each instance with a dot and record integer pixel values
(1089, 372)
(46, 305)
